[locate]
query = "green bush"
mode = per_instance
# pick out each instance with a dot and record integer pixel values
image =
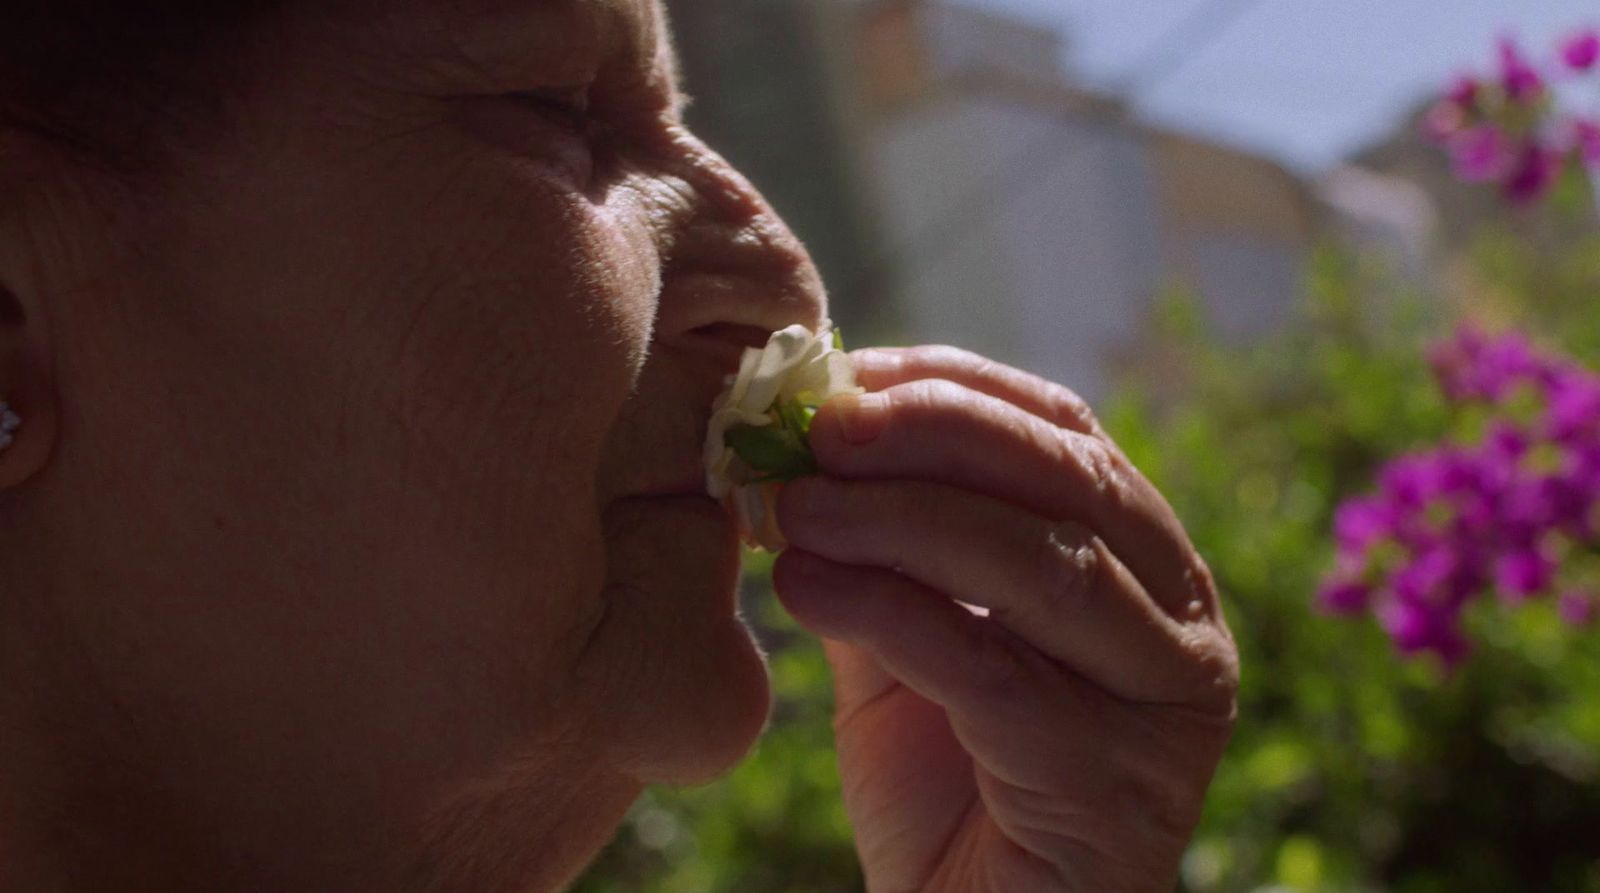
(1350, 769)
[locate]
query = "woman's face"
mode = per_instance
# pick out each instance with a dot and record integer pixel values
(355, 529)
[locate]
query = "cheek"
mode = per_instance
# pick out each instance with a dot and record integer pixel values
(626, 259)
(530, 326)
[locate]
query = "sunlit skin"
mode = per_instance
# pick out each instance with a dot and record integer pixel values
(344, 544)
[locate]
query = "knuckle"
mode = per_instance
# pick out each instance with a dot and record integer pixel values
(948, 356)
(929, 398)
(1071, 410)
(1069, 566)
(1103, 468)
(1202, 585)
(1216, 662)
(982, 368)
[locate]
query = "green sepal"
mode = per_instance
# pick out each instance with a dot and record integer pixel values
(838, 340)
(780, 452)
(775, 451)
(796, 417)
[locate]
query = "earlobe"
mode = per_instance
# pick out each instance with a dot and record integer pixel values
(27, 394)
(9, 423)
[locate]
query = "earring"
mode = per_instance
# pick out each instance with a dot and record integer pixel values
(9, 422)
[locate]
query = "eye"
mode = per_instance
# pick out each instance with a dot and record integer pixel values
(565, 106)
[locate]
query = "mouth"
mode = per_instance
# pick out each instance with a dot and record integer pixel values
(678, 488)
(726, 344)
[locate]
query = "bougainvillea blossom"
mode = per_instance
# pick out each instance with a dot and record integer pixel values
(1502, 514)
(1508, 130)
(1521, 81)
(1581, 51)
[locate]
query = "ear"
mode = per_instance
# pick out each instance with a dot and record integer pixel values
(26, 359)
(26, 387)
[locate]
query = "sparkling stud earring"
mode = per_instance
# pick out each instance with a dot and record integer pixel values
(9, 422)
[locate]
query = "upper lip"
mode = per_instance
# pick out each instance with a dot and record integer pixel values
(724, 342)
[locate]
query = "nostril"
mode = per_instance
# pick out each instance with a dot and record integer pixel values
(735, 333)
(11, 308)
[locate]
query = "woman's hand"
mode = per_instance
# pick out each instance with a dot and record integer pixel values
(1065, 741)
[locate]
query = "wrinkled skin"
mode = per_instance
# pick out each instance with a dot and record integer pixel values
(336, 547)
(1064, 740)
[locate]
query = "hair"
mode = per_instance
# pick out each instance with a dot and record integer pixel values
(114, 81)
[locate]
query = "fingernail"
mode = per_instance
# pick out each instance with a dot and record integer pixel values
(862, 419)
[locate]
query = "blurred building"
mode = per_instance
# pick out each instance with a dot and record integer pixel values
(1037, 222)
(956, 187)
(1399, 200)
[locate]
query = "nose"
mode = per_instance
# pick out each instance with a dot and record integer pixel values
(733, 272)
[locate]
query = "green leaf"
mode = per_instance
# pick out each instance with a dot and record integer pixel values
(838, 340)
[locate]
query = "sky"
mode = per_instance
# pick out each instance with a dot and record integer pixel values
(1306, 82)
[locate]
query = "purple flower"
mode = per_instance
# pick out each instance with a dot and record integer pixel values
(1578, 608)
(1581, 51)
(1482, 154)
(1417, 628)
(1442, 472)
(1580, 476)
(1455, 361)
(1428, 577)
(1360, 523)
(1523, 574)
(1460, 521)
(1586, 140)
(1475, 366)
(1573, 413)
(1534, 174)
(1454, 112)
(1444, 119)
(1528, 508)
(1464, 92)
(1508, 361)
(1504, 445)
(1521, 81)
(1344, 598)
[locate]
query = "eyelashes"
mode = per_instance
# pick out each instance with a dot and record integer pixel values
(567, 108)
(598, 138)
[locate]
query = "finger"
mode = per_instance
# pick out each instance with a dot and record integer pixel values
(944, 432)
(898, 756)
(880, 368)
(1053, 584)
(929, 643)
(858, 678)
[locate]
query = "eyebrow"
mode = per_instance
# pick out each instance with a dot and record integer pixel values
(506, 33)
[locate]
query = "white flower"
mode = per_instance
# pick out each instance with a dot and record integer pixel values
(796, 366)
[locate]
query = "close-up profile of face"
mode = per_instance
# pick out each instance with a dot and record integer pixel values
(1156, 447)
(360, 486)
(389, 391)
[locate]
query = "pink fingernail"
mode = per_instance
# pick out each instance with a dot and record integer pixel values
(862, 419)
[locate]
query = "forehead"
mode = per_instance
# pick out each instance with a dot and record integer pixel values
(540, 36)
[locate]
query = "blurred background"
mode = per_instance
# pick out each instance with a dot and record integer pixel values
(1243, 230)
